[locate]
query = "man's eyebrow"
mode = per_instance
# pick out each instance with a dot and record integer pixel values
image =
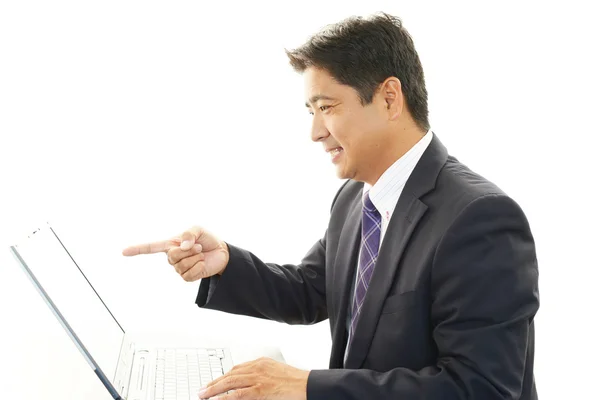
(318, 97)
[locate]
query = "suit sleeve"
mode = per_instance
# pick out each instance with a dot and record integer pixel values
(284, 293)
(484, 284)
(294, 294)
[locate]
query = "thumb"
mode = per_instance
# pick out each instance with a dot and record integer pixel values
(189, 238)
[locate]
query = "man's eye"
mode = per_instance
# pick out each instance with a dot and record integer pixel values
(322, 108)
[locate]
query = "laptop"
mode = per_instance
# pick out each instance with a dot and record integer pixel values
(128, 370)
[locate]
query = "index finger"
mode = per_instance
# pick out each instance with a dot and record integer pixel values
(148, 248)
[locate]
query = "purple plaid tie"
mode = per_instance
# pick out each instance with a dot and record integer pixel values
(369, 249)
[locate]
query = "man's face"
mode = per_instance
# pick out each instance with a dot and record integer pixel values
(340, 121)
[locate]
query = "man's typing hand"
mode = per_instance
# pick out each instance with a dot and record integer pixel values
(196, 254)
(263, 379)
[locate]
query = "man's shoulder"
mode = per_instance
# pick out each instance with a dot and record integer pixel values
(460, 189)
(459, 184)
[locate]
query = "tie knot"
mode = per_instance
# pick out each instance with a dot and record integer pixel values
(368, 204)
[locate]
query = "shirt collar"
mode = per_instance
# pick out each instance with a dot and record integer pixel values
(386, 191)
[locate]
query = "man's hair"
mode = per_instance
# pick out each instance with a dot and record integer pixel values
(362, 53)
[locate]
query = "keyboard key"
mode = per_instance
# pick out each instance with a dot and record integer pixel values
(180, 373)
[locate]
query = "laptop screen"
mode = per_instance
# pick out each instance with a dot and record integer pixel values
(74, 296)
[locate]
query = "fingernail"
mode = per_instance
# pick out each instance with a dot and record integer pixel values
(197, 248)
(185, 245)
(202, 392)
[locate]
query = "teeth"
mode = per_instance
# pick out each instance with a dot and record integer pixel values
(335, 152)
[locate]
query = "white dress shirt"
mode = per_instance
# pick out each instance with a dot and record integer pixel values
(385, 194)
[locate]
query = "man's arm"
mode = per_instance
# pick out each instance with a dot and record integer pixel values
(294, 294)
(484, 284)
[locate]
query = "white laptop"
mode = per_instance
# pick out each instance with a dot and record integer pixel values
(128, 370)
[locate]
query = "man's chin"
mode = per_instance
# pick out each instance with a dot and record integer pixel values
(342, 173)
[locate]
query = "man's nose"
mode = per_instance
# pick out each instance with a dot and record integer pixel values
(318, 130)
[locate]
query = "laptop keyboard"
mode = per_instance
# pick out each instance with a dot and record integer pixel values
(180, 373)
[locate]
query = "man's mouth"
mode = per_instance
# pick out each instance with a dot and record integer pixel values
(336, 151)
(336, 154)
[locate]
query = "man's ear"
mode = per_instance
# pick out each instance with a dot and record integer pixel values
(391, 89)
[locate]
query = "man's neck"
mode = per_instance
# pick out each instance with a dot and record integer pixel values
(400, 143)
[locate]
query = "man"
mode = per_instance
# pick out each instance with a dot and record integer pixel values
(427, 271)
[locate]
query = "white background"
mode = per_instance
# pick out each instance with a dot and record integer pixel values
(123, 122)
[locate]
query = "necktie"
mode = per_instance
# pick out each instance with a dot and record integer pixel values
(371, 232)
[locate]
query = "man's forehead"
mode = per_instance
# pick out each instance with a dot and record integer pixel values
(320, 85)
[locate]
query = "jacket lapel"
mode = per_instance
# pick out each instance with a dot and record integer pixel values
(408, 212)
(345, 263)
(406, 216)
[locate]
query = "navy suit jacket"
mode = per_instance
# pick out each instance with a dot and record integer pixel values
(450, 307)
